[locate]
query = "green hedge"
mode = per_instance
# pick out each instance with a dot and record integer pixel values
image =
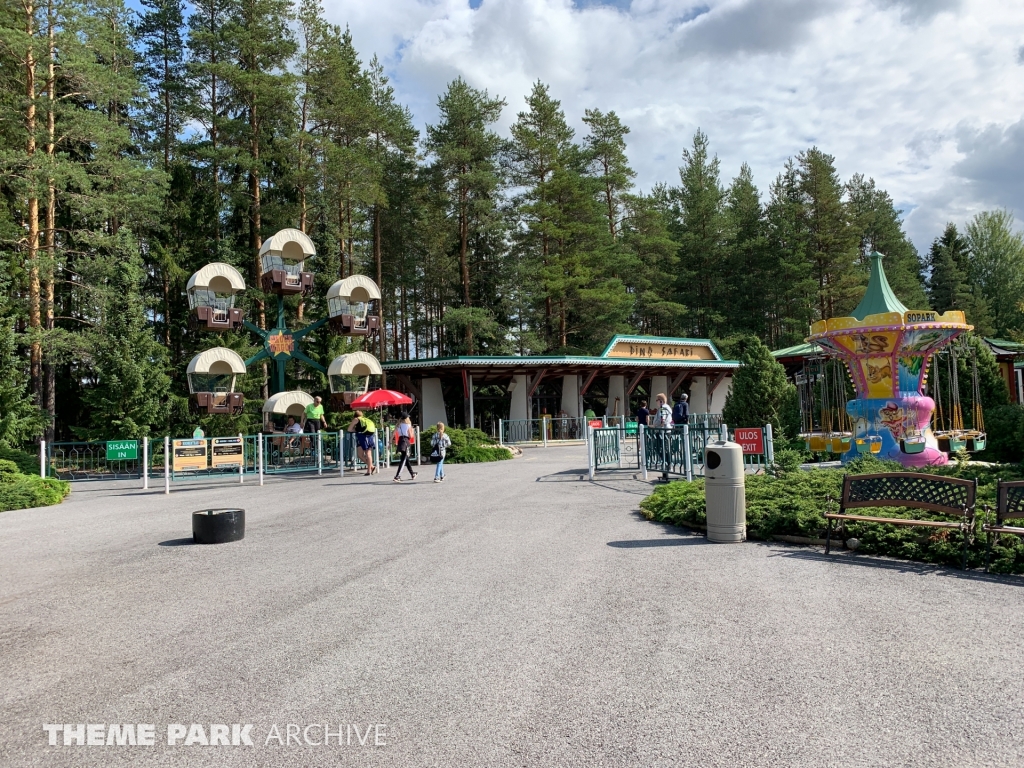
(793, 504)
(28, 464)
(19, 491)
(469, 446)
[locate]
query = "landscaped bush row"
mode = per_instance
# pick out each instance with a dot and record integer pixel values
(23, 491)
(469, 446)
(793, 503)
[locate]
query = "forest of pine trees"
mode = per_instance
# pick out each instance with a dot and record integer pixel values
(137, 147)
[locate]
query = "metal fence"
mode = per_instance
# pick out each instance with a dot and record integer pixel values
(87, 460)
(553, 430)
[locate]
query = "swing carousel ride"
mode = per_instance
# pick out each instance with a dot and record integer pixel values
(212, 290)
(885, 350)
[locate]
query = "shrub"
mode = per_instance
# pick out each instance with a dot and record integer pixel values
(27, 491)
(28, 464)
(469, 446)
(793, 503)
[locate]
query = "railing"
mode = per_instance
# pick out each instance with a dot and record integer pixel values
(87, 460)
(668, 451)
(551, 430)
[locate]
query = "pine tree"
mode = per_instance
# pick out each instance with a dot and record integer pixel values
(948, 286)
(466, 148)
(605, 146)
(701, 234)
(791, 293)
(831, 240)
(653, 260)
(997, 267)
(130, 396)
(747, 272)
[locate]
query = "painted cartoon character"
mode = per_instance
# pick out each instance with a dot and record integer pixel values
(878, 372)
(890, 416)
(866, 345)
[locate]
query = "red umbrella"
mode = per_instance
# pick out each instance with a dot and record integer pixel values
(379, 398)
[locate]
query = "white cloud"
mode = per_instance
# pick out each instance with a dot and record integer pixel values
(926, 96)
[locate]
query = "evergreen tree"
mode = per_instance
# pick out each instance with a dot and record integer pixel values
(130, 396)
(605, 146)
(948, 287)
(831, 241)
(747, 270)
(876, 220)
(760, 391)
(465, 149)
(701, 233)
(791, 293)
(997, 267)
(650, 273)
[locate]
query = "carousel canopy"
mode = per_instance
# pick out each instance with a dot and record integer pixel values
(879, 296)
(290, 245)
(217, 277)
(356, 288)
(355, 364)
(218, 360)
(287, 402)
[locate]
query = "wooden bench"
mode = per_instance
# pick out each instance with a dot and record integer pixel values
(952, 496)
(1009, 506)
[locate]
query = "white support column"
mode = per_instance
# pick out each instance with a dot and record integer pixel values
(319, 453)
(769, 445)
(433, 402)
(643, 450)
(42, 458)
(687, 456)
(718, 396)
(259, 454)
(699, 394)
(659, 384)
(167, 464)
(419, 448)
(501, 432)
(145, 463)
(590, 451)
(571, 395)
(341, 453)
(241, 460)
(616, 391)
(520, 408)
(472, 416)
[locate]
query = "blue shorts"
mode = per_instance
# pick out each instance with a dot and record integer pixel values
(366, 441)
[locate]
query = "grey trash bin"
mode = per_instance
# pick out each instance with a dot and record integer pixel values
(726, 499)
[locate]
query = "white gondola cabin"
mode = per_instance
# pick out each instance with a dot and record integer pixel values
(348, 304)
(211, 381)
(288, 404)
(282, 259)
(211, 297)
(349, 376)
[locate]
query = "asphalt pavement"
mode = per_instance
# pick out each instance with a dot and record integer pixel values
(514, 615)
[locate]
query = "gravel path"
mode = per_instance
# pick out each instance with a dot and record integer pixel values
(512, 616)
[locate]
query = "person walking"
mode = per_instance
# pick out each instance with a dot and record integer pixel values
(681, 412)
(403, 439)
(366, 440)
(440, 443)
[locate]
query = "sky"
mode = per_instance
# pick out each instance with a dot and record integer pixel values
(924, 96)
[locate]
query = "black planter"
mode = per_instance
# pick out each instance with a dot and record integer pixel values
(218, 526)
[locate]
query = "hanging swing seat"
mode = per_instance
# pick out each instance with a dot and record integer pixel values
(951, 442)
(976, 441)
(869, 444)
(913, 444)
(841, 442)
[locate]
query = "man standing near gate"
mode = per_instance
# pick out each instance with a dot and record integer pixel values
(681, 412)
(315, 416)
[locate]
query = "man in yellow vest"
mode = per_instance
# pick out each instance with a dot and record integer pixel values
(315, 416)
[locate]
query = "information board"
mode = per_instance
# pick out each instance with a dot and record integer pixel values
(751, 440)
(226, 452)
(189, 455)
(122, 450)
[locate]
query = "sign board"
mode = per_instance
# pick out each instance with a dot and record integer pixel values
(189, 455)
(595, 423)
(661, 350)
(122, 450)
(227, 452)
(751, 440)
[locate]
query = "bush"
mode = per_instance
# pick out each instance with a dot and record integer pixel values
(794, 502)
(27, 491)
(28, 464)
(469, 446)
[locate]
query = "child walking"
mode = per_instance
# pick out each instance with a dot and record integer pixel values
(440, 443)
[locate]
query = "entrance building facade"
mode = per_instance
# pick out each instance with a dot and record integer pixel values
(479, 391)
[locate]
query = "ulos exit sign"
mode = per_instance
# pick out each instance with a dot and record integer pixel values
(751, 440)
(122, 450)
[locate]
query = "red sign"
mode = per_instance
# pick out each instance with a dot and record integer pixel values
(751, 440)
(596, 423)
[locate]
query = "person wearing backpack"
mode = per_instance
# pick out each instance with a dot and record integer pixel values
(440, 443)
(681, 412)
(366, 440)
(404, 438)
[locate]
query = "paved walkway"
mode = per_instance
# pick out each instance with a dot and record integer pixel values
(513, 616)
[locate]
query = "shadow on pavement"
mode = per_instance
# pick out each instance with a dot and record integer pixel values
(902, 566)
(643, 543)
(176, 542)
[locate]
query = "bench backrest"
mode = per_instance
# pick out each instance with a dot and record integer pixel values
(1011, 499)
(949, 495)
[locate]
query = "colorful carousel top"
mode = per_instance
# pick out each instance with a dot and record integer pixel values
(885, 346)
